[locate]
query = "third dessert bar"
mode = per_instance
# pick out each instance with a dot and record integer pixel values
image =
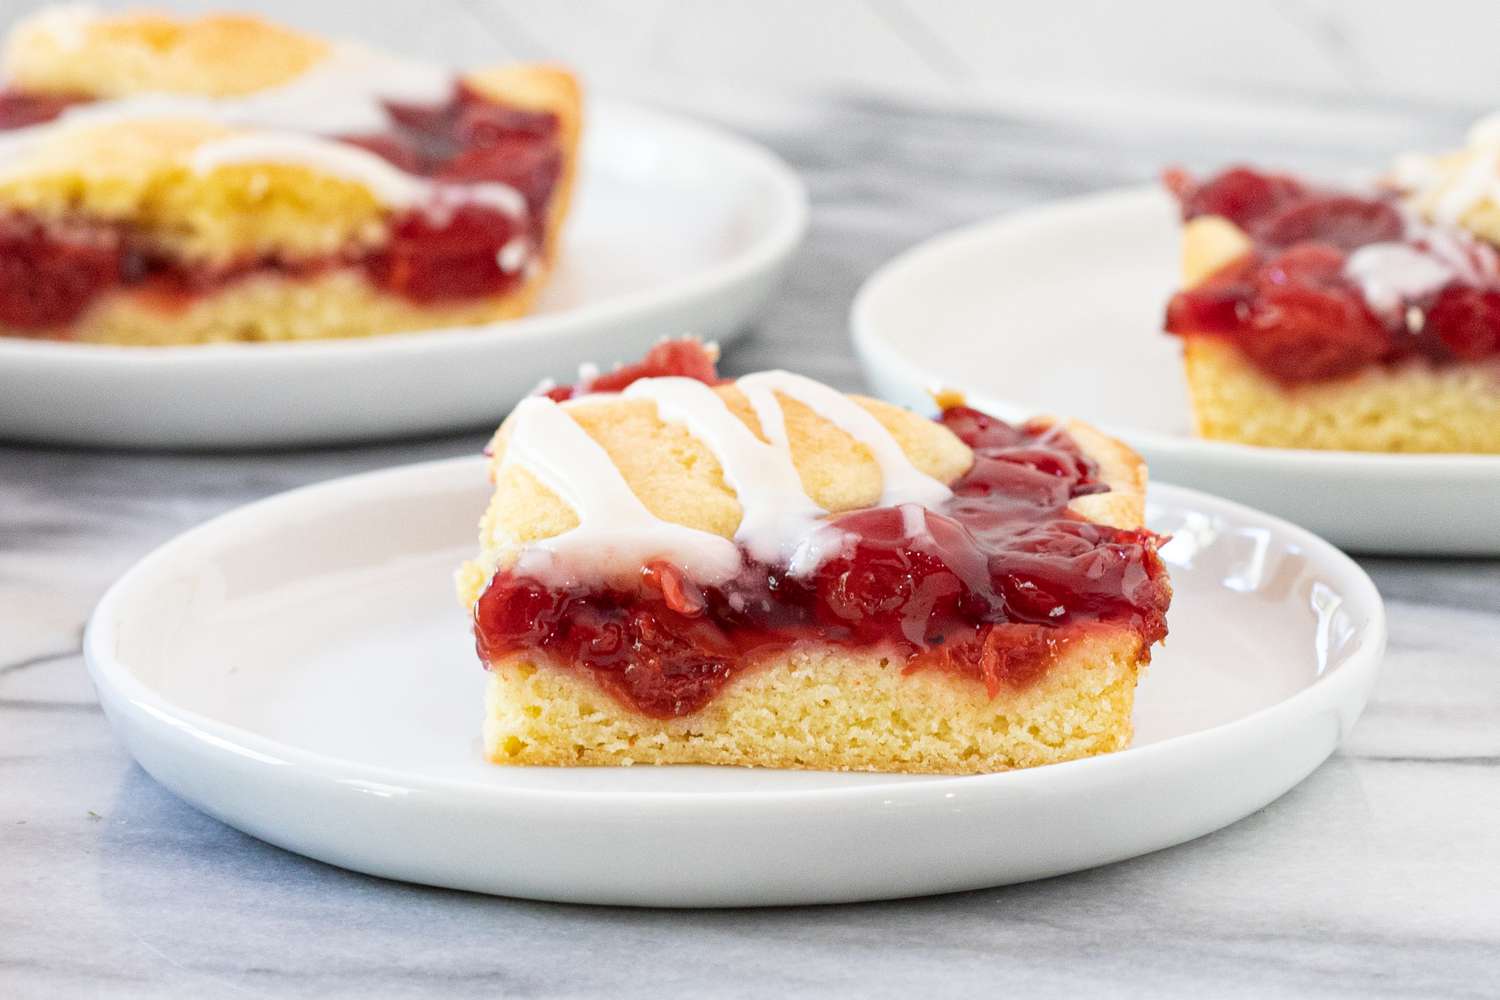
(169, 181)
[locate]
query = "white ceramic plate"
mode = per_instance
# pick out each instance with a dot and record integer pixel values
(1059, 310)
(677, 228)
(300, 669)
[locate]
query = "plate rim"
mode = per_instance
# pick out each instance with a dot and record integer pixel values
(118, 687)
(780, 240)
(874, 352)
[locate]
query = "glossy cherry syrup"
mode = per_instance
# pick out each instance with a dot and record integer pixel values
(1290, 306)
(989, 586)
(48, 278)
(435, 256)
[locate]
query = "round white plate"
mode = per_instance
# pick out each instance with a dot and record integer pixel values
(676, 228)
(1059, 310)
(301, 670)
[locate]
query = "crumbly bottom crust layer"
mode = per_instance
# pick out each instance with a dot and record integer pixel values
(1415, 406)
(273, 307)
(828, 708)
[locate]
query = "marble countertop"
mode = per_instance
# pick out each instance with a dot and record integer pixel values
(1378, 876)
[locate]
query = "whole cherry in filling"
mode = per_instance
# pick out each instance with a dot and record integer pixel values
(988, 585)
(1291, 303)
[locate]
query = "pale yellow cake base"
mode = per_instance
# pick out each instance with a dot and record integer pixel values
(274, 308)
(1416, 406)
(826, 708)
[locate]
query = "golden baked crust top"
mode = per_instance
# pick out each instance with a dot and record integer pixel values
(678, 479)
(141, 170)
(77, 50)
(1210, 243)
(1124, 506)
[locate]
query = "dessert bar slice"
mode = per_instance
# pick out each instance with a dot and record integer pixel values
(679, 569)
(169, 181)
(1315, 317)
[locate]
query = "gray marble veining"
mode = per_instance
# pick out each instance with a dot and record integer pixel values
(1378, 876)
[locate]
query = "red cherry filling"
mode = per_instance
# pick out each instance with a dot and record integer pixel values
(1466, 321)
(1291, 306)
(1342, 222)
(432, 256)
(1307, 322)
(469, 140)
(1240, 194)
(989, 586)
(49, 275)
(19, 109)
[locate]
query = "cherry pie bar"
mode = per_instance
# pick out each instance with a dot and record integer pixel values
(681, 569)
(169, 181)
(1363, 320)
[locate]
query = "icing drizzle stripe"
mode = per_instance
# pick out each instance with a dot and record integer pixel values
(903, 481)
(779, 523)
(343, 94)
(614, 528)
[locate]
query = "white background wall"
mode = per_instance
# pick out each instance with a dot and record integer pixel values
(1334, 54)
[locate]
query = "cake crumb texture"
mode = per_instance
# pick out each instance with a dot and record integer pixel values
(1414, 406)
(271, 307)
(827, 708)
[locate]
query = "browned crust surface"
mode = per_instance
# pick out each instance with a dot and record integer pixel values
(73, 50)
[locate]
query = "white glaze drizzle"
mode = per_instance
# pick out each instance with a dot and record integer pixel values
(1391, 274)
(777, 514)
(902, 482)
(390, 185)
(513, 256)
(914, 520)
(616, 534)
(779, 522)
(341, 94)
(67, 24)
